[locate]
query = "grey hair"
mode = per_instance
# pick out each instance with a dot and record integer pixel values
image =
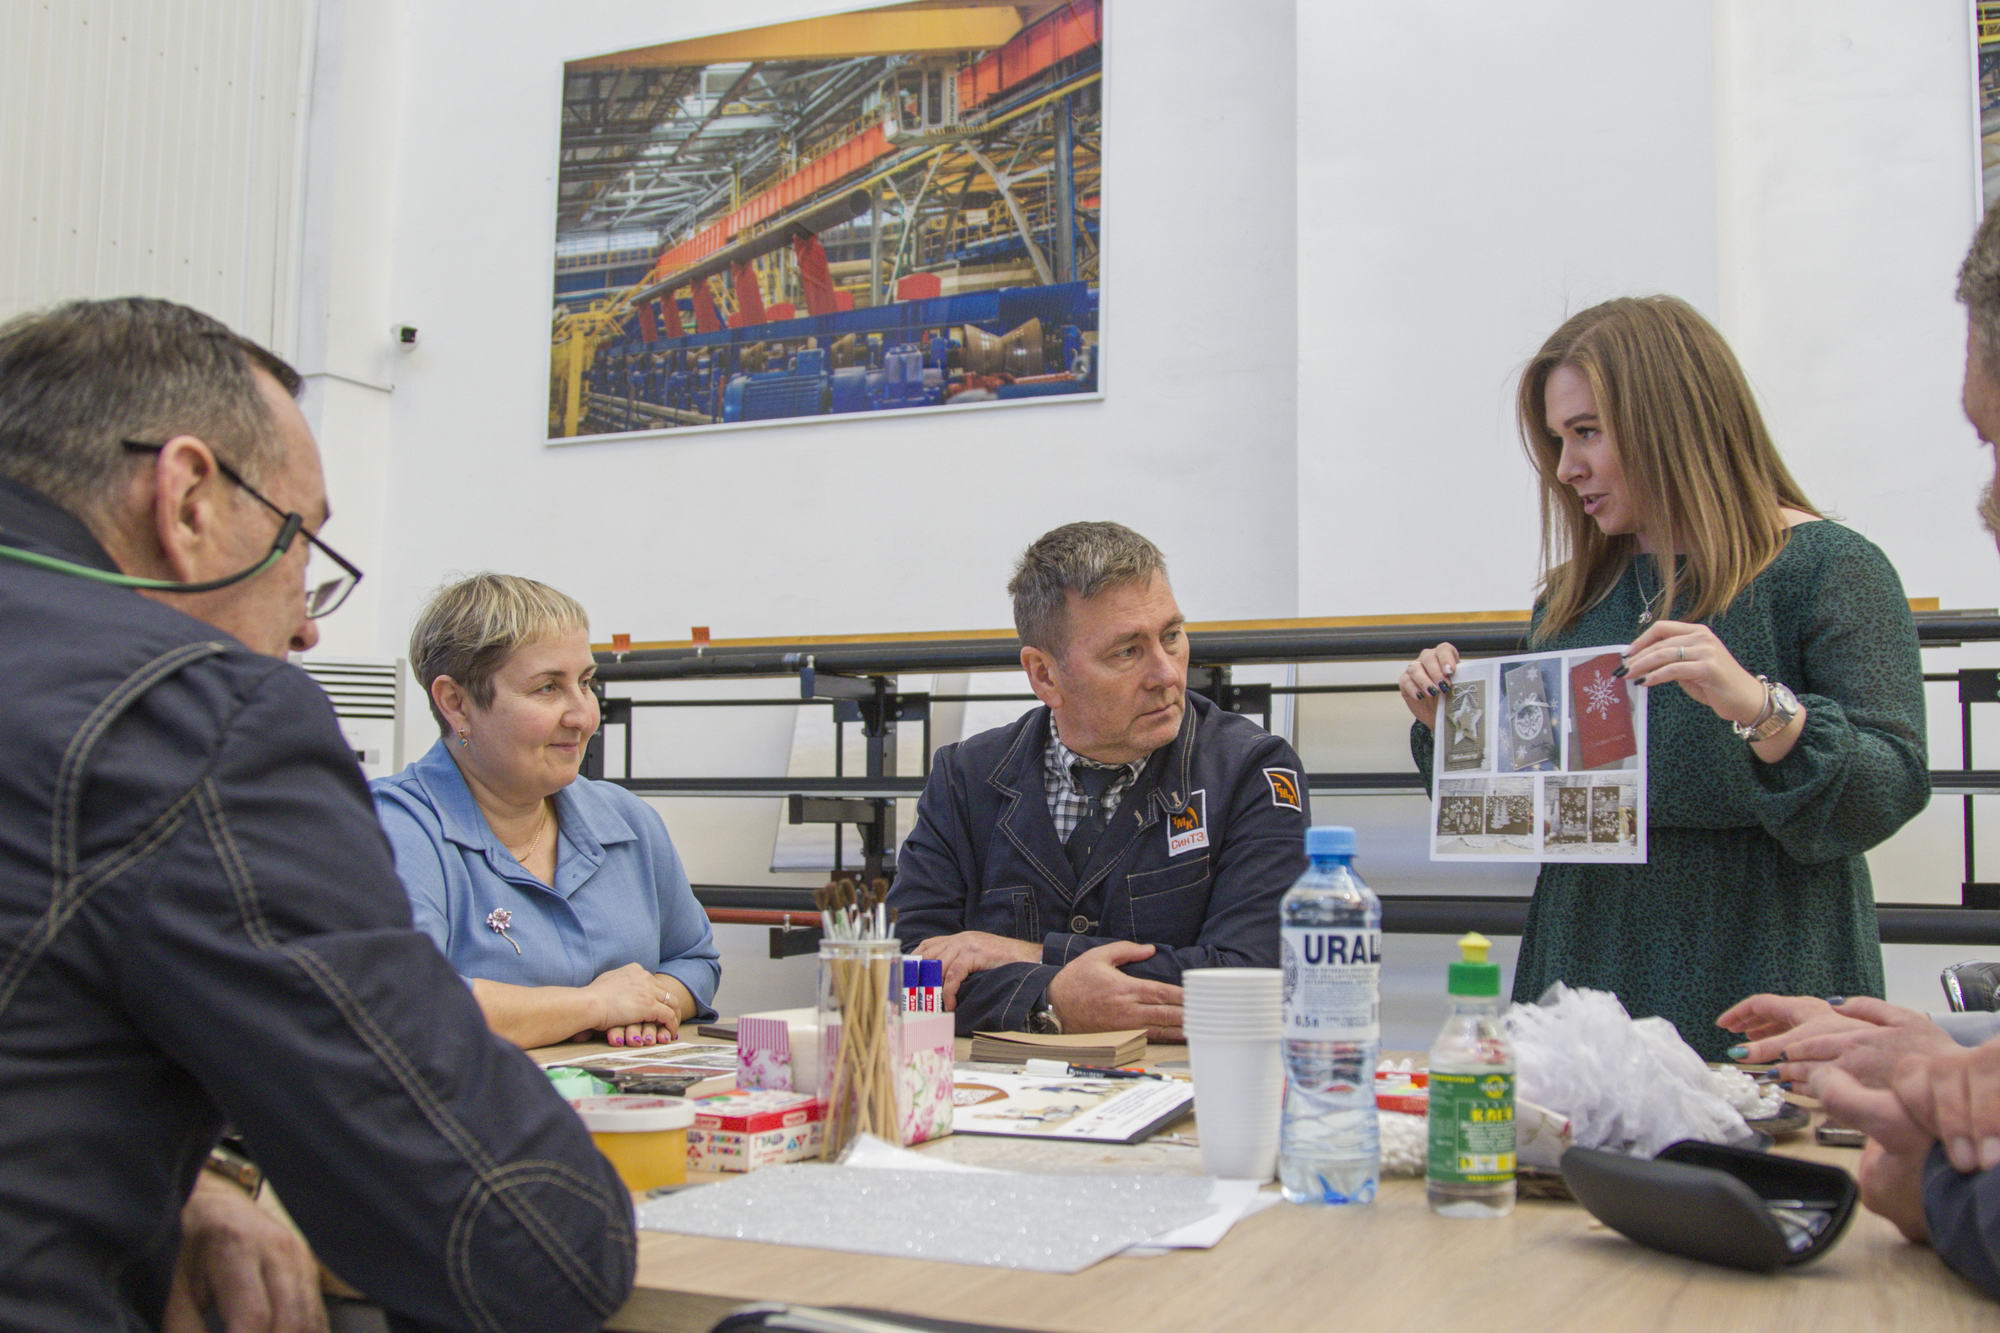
(1080, 558)
(1979, 288)
(78, 379)
(470, 628)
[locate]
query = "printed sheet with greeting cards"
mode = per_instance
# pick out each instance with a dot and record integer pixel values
(1540, 757)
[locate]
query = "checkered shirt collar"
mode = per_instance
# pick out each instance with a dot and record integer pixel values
(1068, 805)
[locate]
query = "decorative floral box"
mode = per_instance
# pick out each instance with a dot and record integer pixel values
(925, 1095)
(778, 1050)
(742, 1131)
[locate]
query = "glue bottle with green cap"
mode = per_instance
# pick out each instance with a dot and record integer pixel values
(1470, 1172)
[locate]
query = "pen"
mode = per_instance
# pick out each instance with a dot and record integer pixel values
(1090, 1071)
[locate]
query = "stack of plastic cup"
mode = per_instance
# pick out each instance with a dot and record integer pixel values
(1233, 1017)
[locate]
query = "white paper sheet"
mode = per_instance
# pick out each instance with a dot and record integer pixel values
(1232, 1200)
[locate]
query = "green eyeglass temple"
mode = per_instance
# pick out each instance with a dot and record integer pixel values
(321, 600)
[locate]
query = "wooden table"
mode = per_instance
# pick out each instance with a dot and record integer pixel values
(1389, 1266)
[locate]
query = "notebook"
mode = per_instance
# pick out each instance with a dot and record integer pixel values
(1100, 1049)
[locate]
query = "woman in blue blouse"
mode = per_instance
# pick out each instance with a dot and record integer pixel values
(562, 901)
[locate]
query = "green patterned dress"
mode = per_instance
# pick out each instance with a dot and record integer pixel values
(1755, 878)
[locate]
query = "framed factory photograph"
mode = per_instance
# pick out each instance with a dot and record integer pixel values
(881, 209)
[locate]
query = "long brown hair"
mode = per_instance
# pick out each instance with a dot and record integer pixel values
(1702, 471)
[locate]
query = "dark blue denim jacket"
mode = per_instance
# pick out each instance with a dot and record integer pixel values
(199, 919)
(1196, 857)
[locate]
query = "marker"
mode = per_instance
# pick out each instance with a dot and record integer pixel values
(1091, 1071)
(912, 968)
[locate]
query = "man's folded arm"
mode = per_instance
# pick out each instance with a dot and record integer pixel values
(268, 949)
(1261, 855)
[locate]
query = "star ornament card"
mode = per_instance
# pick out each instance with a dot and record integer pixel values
(1541, 757)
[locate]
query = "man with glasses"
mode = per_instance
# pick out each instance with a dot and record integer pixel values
(199, 917)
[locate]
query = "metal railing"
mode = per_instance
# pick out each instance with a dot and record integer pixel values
(858, 682)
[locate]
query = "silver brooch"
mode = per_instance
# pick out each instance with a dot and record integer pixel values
(497, 921)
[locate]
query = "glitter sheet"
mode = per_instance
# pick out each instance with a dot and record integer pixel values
(1047, 1224)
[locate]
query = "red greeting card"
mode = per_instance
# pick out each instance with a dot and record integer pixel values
(1603, 710)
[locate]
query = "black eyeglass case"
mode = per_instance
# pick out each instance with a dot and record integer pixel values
(1730, 1206)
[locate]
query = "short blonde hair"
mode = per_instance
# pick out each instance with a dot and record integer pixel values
(471, 627)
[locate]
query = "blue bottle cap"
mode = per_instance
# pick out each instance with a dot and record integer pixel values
(1330, 840)
(911, 970)
(933, 972)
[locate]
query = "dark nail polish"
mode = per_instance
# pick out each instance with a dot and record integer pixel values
(1785, 1084)
(1638, 680)
(1836, 999)
(1434, 689)
(1620, 671)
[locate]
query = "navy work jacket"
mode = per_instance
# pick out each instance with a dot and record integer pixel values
(199, 919)
(1196, 857)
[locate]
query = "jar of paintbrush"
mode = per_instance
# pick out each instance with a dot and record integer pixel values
(860, 1008)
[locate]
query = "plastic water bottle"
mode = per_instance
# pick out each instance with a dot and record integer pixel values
(1470, 1172)
(1330, 1146)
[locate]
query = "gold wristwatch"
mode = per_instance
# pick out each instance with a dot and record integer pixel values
(229, 1160)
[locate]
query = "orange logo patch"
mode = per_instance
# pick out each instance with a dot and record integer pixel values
(1284, 788)
(1188, 829)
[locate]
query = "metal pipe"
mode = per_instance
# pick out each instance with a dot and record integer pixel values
(1206, 648)
(1454, 914)
(1065, 193)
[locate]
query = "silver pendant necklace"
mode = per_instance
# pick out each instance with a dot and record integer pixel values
(1646, 606)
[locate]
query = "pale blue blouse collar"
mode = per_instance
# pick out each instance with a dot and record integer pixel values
(588, 819)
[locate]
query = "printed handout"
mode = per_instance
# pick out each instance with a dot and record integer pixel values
(1540, 757)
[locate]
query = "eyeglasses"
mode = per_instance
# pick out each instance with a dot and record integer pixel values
(329, 575)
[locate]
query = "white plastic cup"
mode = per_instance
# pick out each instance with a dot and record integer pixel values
(1239, 1088)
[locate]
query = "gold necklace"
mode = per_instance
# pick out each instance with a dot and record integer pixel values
(541, 827)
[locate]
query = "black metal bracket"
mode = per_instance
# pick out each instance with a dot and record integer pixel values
(1979, 895)
(873, 702)
(790, 941)
(817, 684)
(611, 713)
(832, 810)
(1976, 685)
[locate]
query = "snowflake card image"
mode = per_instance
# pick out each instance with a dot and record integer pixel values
(1600, 715)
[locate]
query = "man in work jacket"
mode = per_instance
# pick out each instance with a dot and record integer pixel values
(1069, 866)
(199, 917)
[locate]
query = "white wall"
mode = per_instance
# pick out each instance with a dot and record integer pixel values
(881, 524)
(1468, 176)
(152, 150)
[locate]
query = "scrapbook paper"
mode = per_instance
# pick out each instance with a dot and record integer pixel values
(1540, 757)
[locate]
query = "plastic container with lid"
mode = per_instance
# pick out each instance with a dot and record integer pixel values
(645, 1138)
(1471, 1165)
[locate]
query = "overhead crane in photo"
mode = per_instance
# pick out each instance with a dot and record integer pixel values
(897, 208)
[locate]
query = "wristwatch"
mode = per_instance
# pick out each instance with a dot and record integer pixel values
(1043, 1019)
(1780, 707)
(230, 1159)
